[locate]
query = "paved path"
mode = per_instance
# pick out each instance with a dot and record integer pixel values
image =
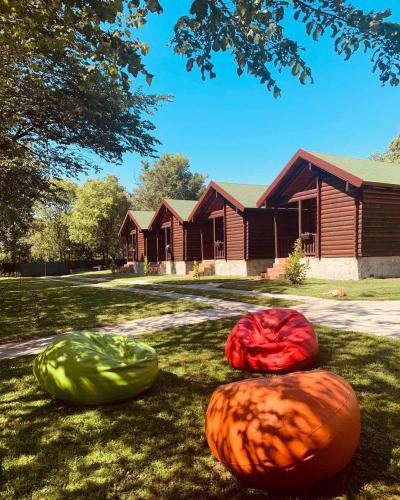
(381, 317)
(378, 317)
(134, 327)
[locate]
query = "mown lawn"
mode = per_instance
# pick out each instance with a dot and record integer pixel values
(368, 289)
(216, 294)
(31, 308)
(153, 446)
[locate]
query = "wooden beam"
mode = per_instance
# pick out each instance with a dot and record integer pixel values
(318, 242)
(225, 238)
(201, 242)
(276, 232)
(214, 237)
(308, 194)
(299, 208)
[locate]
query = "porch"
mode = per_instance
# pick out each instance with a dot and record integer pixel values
(212, 237)
(164, 247)
(129, 245)
(297, 219)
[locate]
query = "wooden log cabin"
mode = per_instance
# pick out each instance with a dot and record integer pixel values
(177, 242)
(236, 237)
(345, 210)
(136, 240)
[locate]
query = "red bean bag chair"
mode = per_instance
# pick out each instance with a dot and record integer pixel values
(286, 431)
(272, 341)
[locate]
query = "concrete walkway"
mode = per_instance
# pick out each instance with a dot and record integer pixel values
(377, 317)
(12, 350)
(381, 317)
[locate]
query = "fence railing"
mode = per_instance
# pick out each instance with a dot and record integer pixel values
(219, 249)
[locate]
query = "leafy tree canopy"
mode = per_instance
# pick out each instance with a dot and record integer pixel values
(255, 32)
(65, 69)
(49, 233)
(99, 207)
(391, 154)
(168, 177)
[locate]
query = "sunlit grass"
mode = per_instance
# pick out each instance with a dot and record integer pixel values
(32, 308)
(368, 289)
(217, 294)
(153, 446)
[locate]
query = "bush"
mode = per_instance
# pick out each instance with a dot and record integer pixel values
(297, 270)
(146, 265)
(196, 269)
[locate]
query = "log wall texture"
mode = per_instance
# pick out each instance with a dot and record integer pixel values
(380, 222)
(338, 219)
(235, 234)
(260, 234)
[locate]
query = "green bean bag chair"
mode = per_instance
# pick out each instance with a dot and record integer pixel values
(95, 368)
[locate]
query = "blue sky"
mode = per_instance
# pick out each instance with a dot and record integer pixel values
(233, 129)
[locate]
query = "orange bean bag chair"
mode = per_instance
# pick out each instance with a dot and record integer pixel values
(272, 341)
(286, 431)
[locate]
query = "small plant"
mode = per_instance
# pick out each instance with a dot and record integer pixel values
(297, 270)
(196, 270)
(113, 266)
(146, 265)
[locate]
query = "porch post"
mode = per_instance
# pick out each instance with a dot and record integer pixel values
(299, 215)
(276, 232)
(201, 241)
(127, 249)
(318, 249)
(158, 257)
(214, 236)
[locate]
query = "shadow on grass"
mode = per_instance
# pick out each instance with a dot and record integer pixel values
(32, 308)
(154, 447)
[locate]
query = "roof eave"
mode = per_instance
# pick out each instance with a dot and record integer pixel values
(222, 192)
(164, 203)
(318, 162)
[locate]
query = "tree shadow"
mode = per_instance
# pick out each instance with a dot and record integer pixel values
(153, 446)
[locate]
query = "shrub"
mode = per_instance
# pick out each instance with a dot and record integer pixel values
(113, 266)
(297, 270)
(146, 265)
(196, 269)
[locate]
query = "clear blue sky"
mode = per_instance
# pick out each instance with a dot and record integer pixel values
(232, 128)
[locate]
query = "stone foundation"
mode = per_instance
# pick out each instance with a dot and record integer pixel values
(352, 268)
(179, 267)
(379, 267)
(251, 267)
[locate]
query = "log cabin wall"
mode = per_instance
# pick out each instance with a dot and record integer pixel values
(235, 234)
(380, 220)
(151, 246)
(260, 234)
(192, 241)
(177, 239)
(140, 244)
(338, 218)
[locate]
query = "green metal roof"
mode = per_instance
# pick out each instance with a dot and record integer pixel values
(182, 207)
(246, 194)
(370, 171)
(142, 217)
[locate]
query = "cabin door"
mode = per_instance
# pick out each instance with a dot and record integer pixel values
(219, 238)
(168, 245)
(207, 240)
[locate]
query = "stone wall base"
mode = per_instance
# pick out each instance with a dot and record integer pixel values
(352, 268)
(136, 267)
(179, 267)
(251, 267)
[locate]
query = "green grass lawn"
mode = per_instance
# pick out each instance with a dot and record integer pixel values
(368, 289)
(31, 308)
(153, 446)
(215, 294)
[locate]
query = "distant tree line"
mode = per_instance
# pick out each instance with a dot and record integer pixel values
(81, 222)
